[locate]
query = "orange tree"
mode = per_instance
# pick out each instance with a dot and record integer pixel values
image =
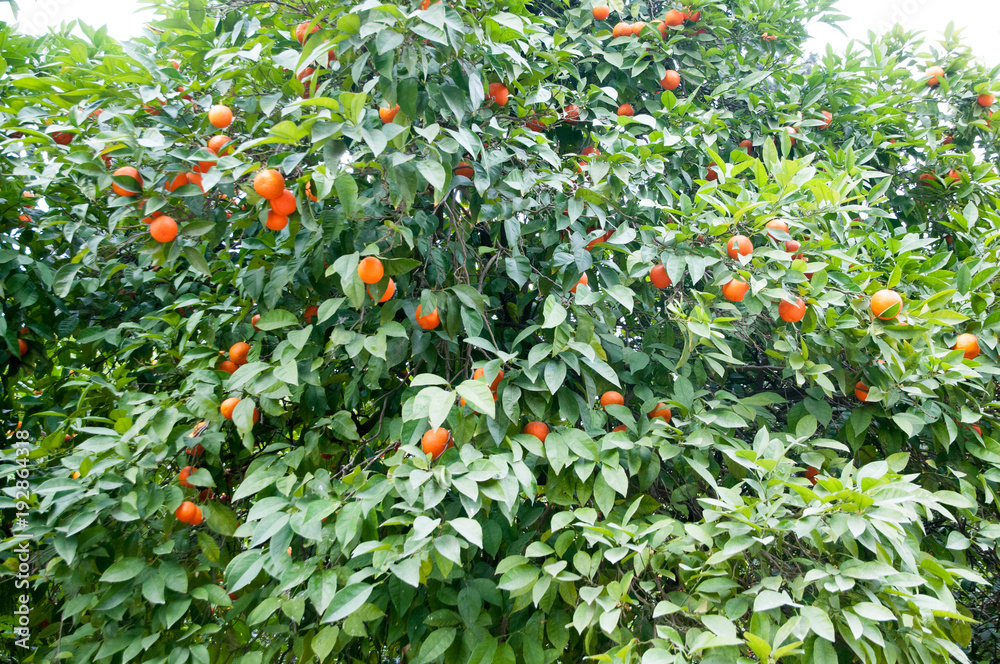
(514, 333)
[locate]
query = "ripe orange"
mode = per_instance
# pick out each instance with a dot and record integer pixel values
(791, 131)
(269, 184)
(886, 304)
(238, 353)
(792, 312)
(310, 312)
(253, 321)
(927, 179)
(601, 12)
(612, 398)
(284, 204)
(197, 518)
(186, 512)
(216, 143)
(621, 29)
(205, 166)
(132, 172)
(479, 373)
(464, 169)
(390, 290)
(747, 144)
(228, 366)
(711, 176)
(227, 407)
(300, 32)
(658, 275)
(183, 475)
(828, 116)
(387, 115)
(194, 178)
(176, 183)
(637, 28)
(985, 100)
(933, 74)
(220, 116)
(791, 246)
(969, 344)
(62, 137)
(430, 321)
(620, 427)
(584, 279)
(776, 225)
(22, 347)
(626, 110)
(370, 270)
(735, 290)
(276, 221)
(811, 474)
(571, 114)
(739, 245)
(539, 430)
(309, 192)
(498, 93)
(671, 79)
(952, 175)
(660, 410)
(861, 391)
(163, 229)
(435, 442)
(673, 18)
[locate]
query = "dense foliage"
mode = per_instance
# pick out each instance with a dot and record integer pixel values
(781, 480)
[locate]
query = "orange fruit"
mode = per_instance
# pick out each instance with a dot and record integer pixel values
(747, 144)
(370, 270)
(612, 398)
(253, 321)
(387, 115)
(22, 347)
(735, 290)
(227, 407)
(198, 516)
(626, 110)
(584, 279)
(276, 221)
(933, 74)
(985, 100)
(132, 172)
(464, 169)
(673, 18)
(284, 204)
(498, 93)
(658, 275)
(571, 114)
(861, 391)
(539, 430)
(310, 312)
(216, 143)
(163, 229)
(238, 353)
(886, 304)
(195, 178)
(739, 245)
(620, 427)
(75, 475)
(969, 344)
(791, 246)
(435, 442)
(637, 28)
(828, 116)
(390, 290)
(660, 410)
(186, 512)
(269, 184)
(309, 193)
(301, 34)
(220, 116)
(811, 474)
(711, 176)
(228, 366)
(205, 166)
(621, 29)
(479, 373)
(177, 182)
(430, 321)
(927, 179)
(792, 312)
(206, 494)
(601, 12)
(776, 225)
(183, 475)
(306, 73)
(62, 137)
(671, 79)
(953, 175)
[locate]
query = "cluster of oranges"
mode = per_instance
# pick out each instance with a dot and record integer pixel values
(613, 398)
(736, 289)
(237, 356)
(672, 19)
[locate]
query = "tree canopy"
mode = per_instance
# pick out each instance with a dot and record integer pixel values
(499, 333)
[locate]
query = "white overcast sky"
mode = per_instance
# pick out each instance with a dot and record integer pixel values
(979, 18)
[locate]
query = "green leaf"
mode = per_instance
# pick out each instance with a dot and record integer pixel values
(479, 396)
(348, 600)
(123, 570)
(276, 319)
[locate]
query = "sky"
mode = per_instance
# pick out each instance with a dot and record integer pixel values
(979, 18)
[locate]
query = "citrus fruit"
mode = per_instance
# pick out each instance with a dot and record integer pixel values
(674, 17)
(601, 12)
(435, 442)
(497, 92)
(390, 290)
(176, 183)
(183, 475)
(227, 406)
(163, 229)
(739, 245)
(658, 275)
(22, 347)
(671, 79)
(216, 143)
(792, 312)
(571, 114)
(238, 353)
(228, 366)
(886, 304)
(430, 321)
(828, 117)
(985, 100)
(464, 169)
(310, 312)
(275, 221)
(479, 373)
(302, 32)
(370, 270)
(932, 73)
(186, 512)
(660, 410)
(735, 290)
(269, 184)
(220, 116)
(584, 279)
(861, 391)
(284, 204)
(131, 172)
(539, 430)
(612, 398)
(625, 110)
(387, 115)
(776, 225)
(969, 344)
